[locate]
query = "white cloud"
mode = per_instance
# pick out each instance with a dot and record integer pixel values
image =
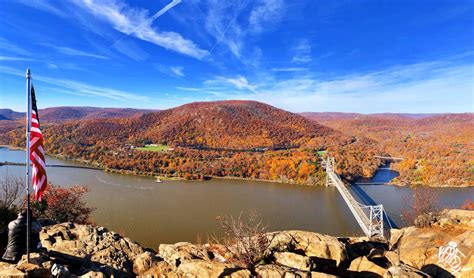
(9, 47)
(239, 82)
(289, 69)
(44, 5)
(74, 52)
(266, 12)
(131, 50)
(178, 71)
(135, 22)
(429, 87)
(52, 66)
(14, 58)
(233, 23)
(302, 52)
(79, 88)
(175, 71)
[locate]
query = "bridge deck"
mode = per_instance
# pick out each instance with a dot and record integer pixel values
(353, 205)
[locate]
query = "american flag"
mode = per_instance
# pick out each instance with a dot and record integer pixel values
(39, 180)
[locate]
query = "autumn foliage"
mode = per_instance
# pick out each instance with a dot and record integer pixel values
(437, 149)
(468, 204)
(63, 204)
(252, 140)
(243, 139)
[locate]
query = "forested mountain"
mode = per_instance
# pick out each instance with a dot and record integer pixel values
(10, 119)
(438, 148)
(55, 114)
(8, 114)
(249, 139)
(231, 124)
(235, 138)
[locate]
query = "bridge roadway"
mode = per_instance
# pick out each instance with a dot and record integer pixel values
(353, 205)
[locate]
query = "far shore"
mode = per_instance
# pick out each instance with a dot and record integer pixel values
(174, 178)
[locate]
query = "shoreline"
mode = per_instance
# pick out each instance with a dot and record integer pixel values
(173, 178)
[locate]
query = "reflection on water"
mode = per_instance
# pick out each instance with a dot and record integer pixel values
(173, 211)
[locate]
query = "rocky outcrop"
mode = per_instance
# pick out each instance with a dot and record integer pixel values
(421, 247)
(71, 250)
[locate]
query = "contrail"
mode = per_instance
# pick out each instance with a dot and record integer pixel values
(149, 20)
(158, 14)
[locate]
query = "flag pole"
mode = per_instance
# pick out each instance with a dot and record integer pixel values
(28, 128)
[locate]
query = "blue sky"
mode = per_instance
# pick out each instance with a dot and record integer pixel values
(347, 56)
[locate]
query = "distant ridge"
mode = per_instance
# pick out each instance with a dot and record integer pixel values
(8, 114)
(62, 113)
(324, 116)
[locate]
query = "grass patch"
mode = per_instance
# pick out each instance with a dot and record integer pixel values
(153, 148)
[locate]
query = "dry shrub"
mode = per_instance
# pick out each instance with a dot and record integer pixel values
(245, 238)
(10, 191)
(423, 210)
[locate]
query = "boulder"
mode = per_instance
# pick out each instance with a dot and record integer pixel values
(177, 253)
(363, 265)
(273, 271)
(293, 260)
(9, 270)
(457, 217)
(420, 247)
(321, 275)
(33, 270)
(392, 258)
(404, 271)
(160, 269)
(145, 261)
(93, 274)
(311, 244)
(200, 268)
(91, 247)
(241, 273)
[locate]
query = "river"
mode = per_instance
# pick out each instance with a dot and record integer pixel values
(153, 213)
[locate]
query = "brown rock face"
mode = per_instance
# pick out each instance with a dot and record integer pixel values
(293, 260)
(404, 271)
(175, 254)
(365, 267)
(311, 244)
(421, 247)
(270, 271)
(84, 244)
(87, 251)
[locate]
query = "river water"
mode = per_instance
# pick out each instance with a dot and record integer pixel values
(153, 213)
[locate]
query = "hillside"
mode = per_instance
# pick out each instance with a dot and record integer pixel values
(227, 133)
(74, 113)
(323, 117)
(225, 124)
(8, 114)
(10, 119)
(437, 148)
(233, 124)
(55, 114)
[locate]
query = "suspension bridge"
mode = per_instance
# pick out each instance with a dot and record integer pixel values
(369, 218)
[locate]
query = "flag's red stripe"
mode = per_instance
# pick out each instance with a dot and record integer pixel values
(39, 179)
